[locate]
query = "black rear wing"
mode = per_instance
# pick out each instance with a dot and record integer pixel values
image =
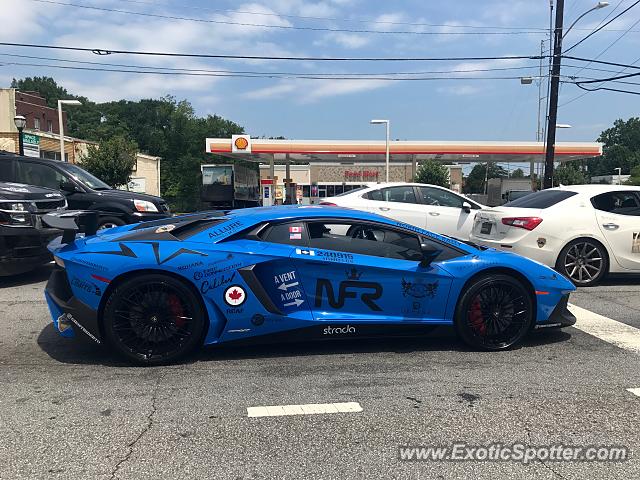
(72, 222)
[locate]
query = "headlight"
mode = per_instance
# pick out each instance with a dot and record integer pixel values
(12, 207)
(144, 206)
(15, 213)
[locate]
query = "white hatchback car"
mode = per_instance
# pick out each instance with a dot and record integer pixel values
(584, 231)
(434, 208)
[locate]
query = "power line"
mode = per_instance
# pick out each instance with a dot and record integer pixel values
(603, 62)
(101, 52)
(596, 30)
(282, 27)
(589, 90)
(355, 74)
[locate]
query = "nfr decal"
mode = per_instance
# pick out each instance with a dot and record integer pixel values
(369, 291)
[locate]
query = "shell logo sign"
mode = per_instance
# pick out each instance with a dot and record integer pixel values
(240, 144)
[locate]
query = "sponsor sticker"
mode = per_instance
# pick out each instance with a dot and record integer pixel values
(234, 296)
(304, 251)
(165, 228)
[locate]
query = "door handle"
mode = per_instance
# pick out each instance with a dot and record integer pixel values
(610, 226)
(384, 209)
(434, 214)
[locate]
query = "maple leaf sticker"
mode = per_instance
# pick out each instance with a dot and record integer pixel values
(234, 296)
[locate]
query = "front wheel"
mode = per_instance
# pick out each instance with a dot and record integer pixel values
(153, 319)
(495, 312)
(583, 261)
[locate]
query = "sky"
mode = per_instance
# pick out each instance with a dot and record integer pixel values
(465, 104)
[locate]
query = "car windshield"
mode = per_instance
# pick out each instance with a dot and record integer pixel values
(541, 199)
(350, 191)
(85, 177)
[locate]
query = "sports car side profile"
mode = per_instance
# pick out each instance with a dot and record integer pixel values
(156, 291)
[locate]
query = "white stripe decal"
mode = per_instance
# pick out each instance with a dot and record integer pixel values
(635, 391)
(307, 409)
(617, 333)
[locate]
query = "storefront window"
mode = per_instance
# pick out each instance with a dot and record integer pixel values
(306, 190)
(331, 191)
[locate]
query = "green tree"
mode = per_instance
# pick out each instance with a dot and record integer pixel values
(112, 161)
(568, 174)
(635, 176)
(621, 148)
(474, 183)
(432, 172)
(517, 173)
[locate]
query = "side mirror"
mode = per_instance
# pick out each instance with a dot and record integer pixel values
(429, 254)
(68, 187)
(466, 207)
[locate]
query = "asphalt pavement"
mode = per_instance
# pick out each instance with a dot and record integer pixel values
(68, 409)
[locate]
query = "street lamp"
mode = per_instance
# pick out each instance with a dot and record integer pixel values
(61, 126)
(598, 6)
(386, 123)
(20, 122)
(619, 175)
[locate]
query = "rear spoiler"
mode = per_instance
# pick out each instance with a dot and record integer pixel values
(72, 222)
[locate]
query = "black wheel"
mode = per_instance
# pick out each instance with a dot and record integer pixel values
(152, 319)
(110, 222)
(583, 261)
(495, 312)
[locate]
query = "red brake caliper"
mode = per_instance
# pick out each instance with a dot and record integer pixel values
(476, 320)
(175, 306)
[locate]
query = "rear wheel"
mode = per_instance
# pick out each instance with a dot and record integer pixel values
(153, 319)
(110, 222)
(495, 312)
(584, 261)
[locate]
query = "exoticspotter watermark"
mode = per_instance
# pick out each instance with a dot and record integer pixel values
(515, 452)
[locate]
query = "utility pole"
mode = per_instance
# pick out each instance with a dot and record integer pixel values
(553, 96)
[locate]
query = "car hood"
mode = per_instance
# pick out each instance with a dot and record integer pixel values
(115, 193)
(20, 191)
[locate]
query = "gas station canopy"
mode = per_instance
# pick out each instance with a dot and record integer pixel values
(354, 151)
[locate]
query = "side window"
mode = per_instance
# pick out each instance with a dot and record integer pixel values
(39, 175)
(399, 194)
(375, 195)
(442, 198)
(6, 174)
(293, 233)
(621, 203)
(364, 239)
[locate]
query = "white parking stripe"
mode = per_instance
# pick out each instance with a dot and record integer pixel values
(611, 331)
(635, 391)
(308, 409)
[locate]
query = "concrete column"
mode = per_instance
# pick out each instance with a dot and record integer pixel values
(413, 167)
(272, 168)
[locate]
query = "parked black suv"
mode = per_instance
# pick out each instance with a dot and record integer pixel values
(82, 190)
(23, 238)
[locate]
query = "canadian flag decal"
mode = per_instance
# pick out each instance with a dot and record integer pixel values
(235, 295)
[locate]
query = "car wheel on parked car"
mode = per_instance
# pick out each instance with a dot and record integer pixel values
(153, 319)
(494, 313)
(110, 222)
(583, 261)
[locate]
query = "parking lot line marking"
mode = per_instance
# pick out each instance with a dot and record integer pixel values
(635, 391)
(306, 409)
(617, 333)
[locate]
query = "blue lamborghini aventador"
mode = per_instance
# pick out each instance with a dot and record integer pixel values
(156, 291)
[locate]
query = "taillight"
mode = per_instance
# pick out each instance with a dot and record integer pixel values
(528, 223)
(329, 204)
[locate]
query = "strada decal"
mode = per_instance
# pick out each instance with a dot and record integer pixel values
(346, 290)
(330, 256)
(635, 245)
(124, 252)
(217, 282)
(86, 286)
(338, 330)
(234, 296)
(419, 290)
(228, 228)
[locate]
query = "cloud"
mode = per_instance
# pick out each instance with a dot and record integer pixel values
(345, 40)
(460, 90)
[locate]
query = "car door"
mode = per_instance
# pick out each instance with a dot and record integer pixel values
(369, 273)
(445, 213)
(618, 217)
(397, 202)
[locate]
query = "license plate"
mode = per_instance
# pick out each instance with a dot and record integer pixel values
(485, 229)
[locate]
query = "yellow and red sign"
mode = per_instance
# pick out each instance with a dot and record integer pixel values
(240, 144)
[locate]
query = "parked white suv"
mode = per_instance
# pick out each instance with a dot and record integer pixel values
(431, 207)
(584, 231)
